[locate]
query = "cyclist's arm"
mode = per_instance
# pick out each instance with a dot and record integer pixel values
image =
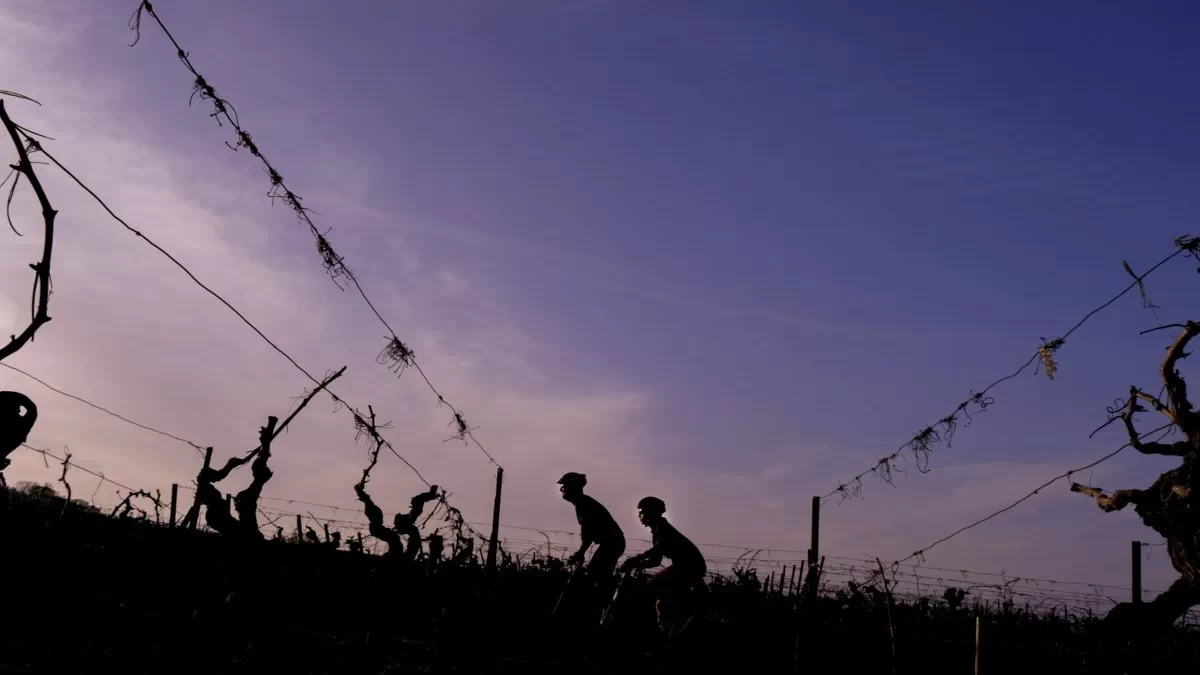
(651, 558)
(587, 541)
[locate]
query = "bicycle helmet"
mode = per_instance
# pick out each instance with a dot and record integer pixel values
(573, 478)
(652, 505)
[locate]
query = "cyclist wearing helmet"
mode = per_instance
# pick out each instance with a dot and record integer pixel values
(596, 526)
(687, 563)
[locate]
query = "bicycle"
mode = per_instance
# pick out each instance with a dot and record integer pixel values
(692, 607)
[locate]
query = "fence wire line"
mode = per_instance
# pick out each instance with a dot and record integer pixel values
(102, 409)
(157, 431)
(335, 264)
(866, 575)
(1001, 575)
(920, 553)
(990, 592)
(863, 575)
(868, 567)
(764, 550)
(84, 469)
(768, 551)
(920, 443)
(228, 305)
(841, 570)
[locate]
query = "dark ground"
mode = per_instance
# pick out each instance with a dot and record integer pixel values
(87, 593)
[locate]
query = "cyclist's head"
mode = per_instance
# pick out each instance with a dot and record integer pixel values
(650, 510)
(571, 485)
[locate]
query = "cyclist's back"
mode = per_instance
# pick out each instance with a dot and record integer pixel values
(671, 544)
(596, 523)
(596, 526)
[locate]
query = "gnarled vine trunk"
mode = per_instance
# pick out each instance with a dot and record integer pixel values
(1171, 505)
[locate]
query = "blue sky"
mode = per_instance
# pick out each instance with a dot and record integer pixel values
(730, 253)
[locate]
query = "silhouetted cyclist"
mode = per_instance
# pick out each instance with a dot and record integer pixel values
(14, 424)
(687, 568)
(596, 526)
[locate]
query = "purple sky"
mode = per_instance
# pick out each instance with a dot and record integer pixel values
(728, 254)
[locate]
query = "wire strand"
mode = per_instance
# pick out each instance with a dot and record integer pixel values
(222, 300)
(922, 440)
(334, 263)
(830, 568)
(68, 461)
(921, 552)
(103, 409)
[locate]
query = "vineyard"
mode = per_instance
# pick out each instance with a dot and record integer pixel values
(198, 576)
(144, 597)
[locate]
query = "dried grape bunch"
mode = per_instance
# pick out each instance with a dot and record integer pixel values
(1046, 353)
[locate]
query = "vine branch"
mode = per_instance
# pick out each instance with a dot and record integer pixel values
(42, 268)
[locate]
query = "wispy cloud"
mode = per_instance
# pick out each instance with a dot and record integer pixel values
(130, 331)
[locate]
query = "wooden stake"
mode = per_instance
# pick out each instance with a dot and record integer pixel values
(193, 523)
(299, 530)
(814, 550)
(1136, 552)
(891, 626)
(978, 630)
(174, 498)
(491, 557)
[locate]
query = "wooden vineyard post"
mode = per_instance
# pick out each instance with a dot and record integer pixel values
(978, 631)
(194, 522)
(491, 557)
(174, 499)
(814, 550)
(1136, 551)
(887, 590)
(792, 583)
(782, 579)
(299, 530)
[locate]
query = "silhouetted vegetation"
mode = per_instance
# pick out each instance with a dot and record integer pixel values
(131, 595)
(25, 143)
(1171, 505)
